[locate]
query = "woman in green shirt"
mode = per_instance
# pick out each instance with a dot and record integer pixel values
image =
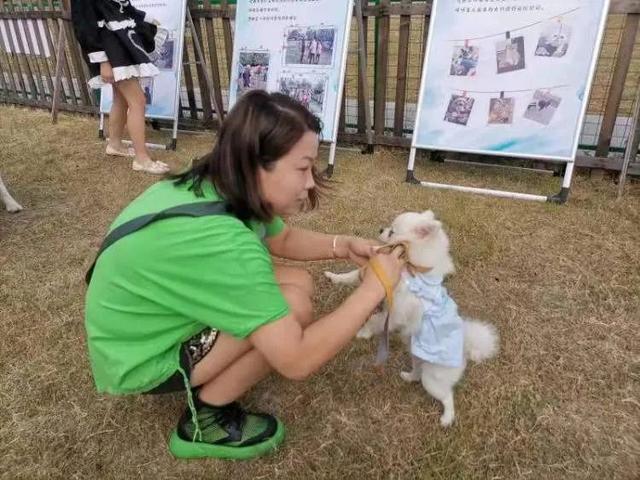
(197, 303)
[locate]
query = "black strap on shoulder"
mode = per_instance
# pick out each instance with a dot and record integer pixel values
(198, 209)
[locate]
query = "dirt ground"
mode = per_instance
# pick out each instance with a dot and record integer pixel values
(561, 283)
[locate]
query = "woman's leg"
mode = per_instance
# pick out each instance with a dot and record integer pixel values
(134, 96)
(232, 367)
(117, 121)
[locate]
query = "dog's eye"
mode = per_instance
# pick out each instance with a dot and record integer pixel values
(391, 232)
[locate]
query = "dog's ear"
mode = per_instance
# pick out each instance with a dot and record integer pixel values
(428, 214)
(426, 228)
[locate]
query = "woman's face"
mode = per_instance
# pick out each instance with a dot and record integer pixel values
(286, 186)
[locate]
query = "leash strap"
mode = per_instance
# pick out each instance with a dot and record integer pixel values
(383, 344)
(197, 209)
(382, 276)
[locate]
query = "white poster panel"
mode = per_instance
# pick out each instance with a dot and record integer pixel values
(298, 48)
(31, 26)
(162, 90)
(509, 77)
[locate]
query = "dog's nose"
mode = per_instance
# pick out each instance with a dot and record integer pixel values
(381, 230)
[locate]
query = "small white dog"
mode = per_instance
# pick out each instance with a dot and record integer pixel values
(440, 340)
(10, 204)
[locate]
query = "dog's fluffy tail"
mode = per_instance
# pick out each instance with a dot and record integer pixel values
(480, 340)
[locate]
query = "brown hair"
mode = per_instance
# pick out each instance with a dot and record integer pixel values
(259, 130)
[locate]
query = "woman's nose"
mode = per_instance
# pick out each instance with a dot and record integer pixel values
(310, 182)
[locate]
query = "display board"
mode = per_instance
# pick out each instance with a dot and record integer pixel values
(508, 77)
(298, 48)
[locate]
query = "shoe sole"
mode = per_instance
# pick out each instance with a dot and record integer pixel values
(180, 448)
(140, 168)
(116, 153)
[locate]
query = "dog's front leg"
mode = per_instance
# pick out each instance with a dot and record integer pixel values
(10, 204)
(414, 374)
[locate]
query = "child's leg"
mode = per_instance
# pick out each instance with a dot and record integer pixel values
(134, 96)
(117, 120)
(233, 366)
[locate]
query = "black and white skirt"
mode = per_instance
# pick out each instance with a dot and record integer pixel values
(129, 50)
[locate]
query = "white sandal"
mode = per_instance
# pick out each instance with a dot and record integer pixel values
(129, 152)
(154, 168)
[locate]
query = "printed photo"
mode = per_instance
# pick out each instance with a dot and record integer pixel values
(510, 54)
(554, 41)
(253, 71)
(501, 111)
(459, 109)
(309, 89)
(163, 56)
(465, 60)
(147, 87)
(309, 46)
(542, 107)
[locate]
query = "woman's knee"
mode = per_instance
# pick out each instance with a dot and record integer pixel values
(300, 304)
(296, 277)
(132, 92)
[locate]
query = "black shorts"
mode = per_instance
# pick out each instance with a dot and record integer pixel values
(191, 352)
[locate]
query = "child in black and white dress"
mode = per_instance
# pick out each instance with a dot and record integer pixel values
(117, 40)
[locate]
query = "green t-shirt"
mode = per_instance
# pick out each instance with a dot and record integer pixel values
(157, 287)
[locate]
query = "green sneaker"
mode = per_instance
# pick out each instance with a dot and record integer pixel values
(225, 432)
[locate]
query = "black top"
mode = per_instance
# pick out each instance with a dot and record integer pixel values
(117, 32)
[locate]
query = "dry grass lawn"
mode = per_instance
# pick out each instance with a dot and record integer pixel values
(562, 284)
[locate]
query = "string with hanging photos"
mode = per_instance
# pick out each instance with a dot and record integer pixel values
(524, 27)
(540, 108)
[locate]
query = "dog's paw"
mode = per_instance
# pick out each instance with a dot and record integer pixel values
(364, 333)
(334, 277)
(446, 419)
(13, 207)
(409, 377)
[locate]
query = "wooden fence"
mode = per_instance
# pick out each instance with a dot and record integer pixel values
(395, 35)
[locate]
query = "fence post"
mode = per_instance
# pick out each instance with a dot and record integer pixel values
(633, 142)
(60, 64)
(382, 61)
(403, 56)
(617, 83)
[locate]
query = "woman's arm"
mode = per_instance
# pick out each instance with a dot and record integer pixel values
(299, 244)
(296, 353)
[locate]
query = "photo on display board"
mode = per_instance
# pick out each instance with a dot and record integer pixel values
(147, 87)
(501, 111)
(306, 45)
(465, 60)
(510, 54)
(253, 71)
(554, 40)
(164, 55)
(308, 89)
(542, 107)
(459, 109)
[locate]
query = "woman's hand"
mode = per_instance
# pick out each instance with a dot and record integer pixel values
(390, 267)
(358, 250)
(106, 72)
